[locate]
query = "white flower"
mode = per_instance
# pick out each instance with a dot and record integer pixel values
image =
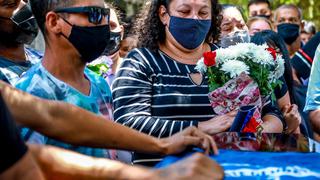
(280, 67)
(201, 67)
(253, 52)
(235, 68)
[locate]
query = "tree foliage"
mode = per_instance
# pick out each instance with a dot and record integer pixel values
(310, 8)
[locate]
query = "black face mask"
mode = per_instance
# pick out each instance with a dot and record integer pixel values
(114, 44)
(90, 42)
(24, 27)
(289, 32)
(264, 16)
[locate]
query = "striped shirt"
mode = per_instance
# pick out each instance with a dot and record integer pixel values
(303, 59)
(156, 95)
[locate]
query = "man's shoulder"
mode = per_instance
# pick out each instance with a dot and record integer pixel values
(95, 78)
(98, 81)
(35, 82)
(34, 56)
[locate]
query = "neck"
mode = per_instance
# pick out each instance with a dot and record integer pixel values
(294, 47)
(115, 62)
(183, 55)
(65, 65)
(13, 53)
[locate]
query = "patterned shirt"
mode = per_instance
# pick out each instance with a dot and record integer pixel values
(39, 82)
(10, 72)
(313, 95)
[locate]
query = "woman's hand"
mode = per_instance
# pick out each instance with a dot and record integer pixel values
(218, 124)
(292, 118)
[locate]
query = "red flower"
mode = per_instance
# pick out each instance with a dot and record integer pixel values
(272, 52)
(251, 126)
(210, 58)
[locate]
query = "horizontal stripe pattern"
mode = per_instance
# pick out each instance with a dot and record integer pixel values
(154, 94)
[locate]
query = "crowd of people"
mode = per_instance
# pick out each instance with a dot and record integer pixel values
(59, 119)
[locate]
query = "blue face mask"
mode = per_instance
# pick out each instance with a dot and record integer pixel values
(189, 33)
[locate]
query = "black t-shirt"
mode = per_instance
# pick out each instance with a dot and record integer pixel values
(12, 146)
(280, 91)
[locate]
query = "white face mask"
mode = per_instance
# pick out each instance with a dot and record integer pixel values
(234, 38)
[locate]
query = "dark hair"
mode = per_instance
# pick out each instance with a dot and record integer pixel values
(259, 2)
(150, 30)
(40, 8)
(273, 39)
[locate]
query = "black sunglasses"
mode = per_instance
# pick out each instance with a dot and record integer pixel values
(95, 14)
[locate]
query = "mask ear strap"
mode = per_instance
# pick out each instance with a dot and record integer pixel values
(66, 21)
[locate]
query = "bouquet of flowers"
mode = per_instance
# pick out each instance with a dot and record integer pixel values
(242, 75)
(101, 66)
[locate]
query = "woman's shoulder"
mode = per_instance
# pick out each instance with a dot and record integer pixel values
(144, 56)
(142, 53)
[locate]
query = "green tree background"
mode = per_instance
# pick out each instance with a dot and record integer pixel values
(310, 8)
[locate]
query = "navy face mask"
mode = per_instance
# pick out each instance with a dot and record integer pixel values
(189, 33)
(90, 42)
(289, 32)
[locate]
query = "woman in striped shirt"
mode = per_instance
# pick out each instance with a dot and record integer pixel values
(157, 89)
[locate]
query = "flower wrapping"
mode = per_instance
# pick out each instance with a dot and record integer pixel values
(240, 91)
(240, 76)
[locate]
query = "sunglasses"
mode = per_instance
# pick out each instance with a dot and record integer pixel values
(95, 14)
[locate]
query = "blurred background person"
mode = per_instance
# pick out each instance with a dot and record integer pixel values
(303, 59)
(308, 31)
(285, 95)
(261, 8)
(288, 24)
(116, 36)
(313, 94)
(257, 24)
(18, 28)
(130, 40)
(233, 27)
(111, 56)
(128, 43)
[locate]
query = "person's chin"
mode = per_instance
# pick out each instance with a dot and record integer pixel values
(114, 56)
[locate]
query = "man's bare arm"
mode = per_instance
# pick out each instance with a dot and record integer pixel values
(57, 163)
(76, 126)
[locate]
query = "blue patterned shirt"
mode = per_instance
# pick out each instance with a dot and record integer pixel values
(39, 82)
(10, 71)
(313, 94)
